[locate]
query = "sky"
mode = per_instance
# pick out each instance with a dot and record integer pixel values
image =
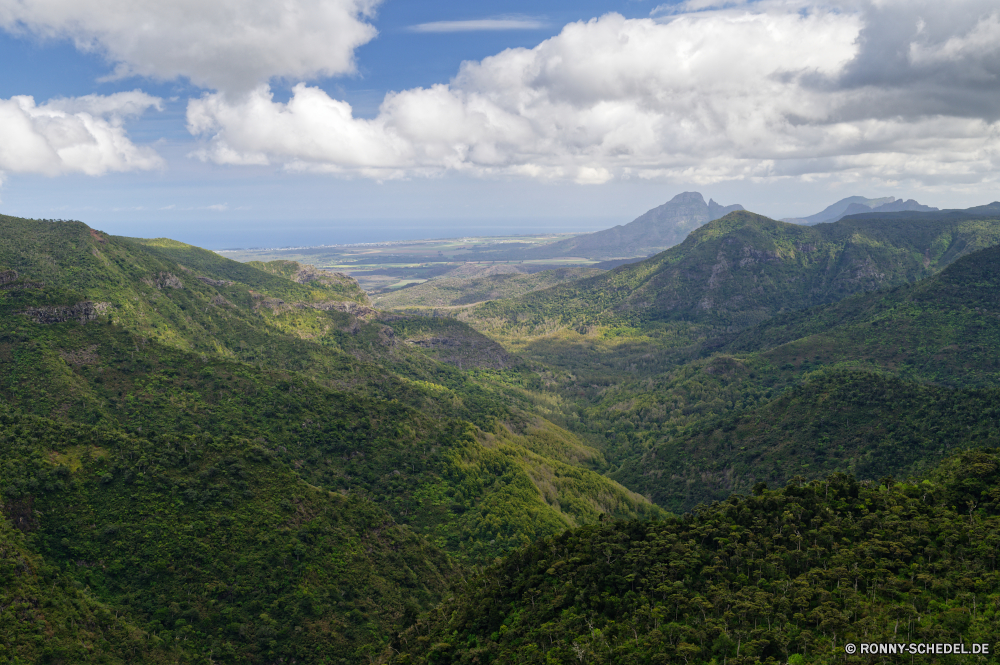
(254, 123)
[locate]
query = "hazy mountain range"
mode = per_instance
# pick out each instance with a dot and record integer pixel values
(669, 224)
(855, 205)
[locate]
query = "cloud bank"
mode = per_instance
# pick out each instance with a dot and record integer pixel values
(73, 135)
(229, 45)
(890, 90)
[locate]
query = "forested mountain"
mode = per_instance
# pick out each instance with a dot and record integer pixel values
(744, 268)
(789, 575)
(206, 461)
(686, 435)
(246, 462)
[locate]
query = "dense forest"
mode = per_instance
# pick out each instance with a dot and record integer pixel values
(787, 575)
(756, 446)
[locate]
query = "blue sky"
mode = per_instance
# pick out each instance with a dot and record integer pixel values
(226, 122)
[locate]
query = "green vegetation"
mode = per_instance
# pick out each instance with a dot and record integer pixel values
(211, 547)
(783, 576)
(241, 436)
(208, 461)
(860, 423)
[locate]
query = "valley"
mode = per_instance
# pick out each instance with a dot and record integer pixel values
(762, 441)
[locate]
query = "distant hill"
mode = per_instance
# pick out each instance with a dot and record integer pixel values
(656, 230)
(855, 205)
(739, 270)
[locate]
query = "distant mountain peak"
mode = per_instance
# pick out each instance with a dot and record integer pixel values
(854, 205)
(652, 232)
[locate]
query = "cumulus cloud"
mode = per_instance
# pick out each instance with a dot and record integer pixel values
(230, 45)
(892, 90)
(73, 135)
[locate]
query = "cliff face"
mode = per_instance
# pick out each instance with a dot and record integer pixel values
(656, 230)
(82, 311)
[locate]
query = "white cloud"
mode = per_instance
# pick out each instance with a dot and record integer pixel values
(981, 40)
(230, 45)
(73, 135)
(478, 25)
(764, 90)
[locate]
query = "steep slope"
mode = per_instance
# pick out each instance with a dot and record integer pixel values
(873, 385)
(652, 232)
(784, 576)
(941, 329)
(350, 403)
(268, 471)
(211, 548)
(863, 423)
(49, 617)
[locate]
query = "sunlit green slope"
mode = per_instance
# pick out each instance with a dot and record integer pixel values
(784, 576)
(172, 348)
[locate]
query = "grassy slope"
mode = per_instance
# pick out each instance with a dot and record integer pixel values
(782, 576)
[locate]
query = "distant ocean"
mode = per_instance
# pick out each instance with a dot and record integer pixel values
(257, 234)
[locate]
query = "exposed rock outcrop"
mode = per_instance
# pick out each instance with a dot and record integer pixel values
(346, 306)
(216, 282)
(82, 311)
(164, 280)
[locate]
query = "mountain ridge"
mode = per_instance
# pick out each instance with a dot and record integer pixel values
(653, 231)
(854, 205)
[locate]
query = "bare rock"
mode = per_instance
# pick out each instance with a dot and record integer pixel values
(164, 280)
(348, 307)
(216, 282)
(83, 312)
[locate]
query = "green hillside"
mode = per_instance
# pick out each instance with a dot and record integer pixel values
(861, 423)
(742, 269)
(207, 461)
(939, 330)
(783, 576)
(229, 398)
(211, 548)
